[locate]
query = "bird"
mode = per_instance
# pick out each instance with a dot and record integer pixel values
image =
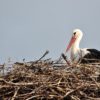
(82, 55)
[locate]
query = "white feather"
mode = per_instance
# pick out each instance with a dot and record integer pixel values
(84, 52)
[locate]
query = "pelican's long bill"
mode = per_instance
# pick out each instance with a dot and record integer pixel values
(71, 43)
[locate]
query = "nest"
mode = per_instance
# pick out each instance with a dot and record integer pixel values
(50, 80)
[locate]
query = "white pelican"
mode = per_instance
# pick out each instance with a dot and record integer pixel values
(85, 55)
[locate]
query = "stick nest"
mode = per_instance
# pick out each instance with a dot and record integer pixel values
(47, 80)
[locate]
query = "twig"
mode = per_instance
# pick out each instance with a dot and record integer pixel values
(18, 84)
(40, 57)
(98, 85)
(32, 97)
(16, 91)
(71, 91)
(44, 55)
(65, 58)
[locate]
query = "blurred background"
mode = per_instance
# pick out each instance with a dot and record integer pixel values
(30, 27)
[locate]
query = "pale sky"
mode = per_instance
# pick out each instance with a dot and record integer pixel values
(30, 27)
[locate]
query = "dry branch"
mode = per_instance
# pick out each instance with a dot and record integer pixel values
(43, 79)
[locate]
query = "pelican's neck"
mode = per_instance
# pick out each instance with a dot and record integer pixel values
(75, 46)
(75, 49)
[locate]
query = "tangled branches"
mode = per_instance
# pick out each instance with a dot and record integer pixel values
(45, 79)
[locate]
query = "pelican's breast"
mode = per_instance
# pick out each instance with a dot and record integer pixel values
(75, 55)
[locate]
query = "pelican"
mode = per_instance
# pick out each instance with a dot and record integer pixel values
(86, 55)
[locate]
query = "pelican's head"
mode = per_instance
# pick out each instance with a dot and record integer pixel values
(76, 37)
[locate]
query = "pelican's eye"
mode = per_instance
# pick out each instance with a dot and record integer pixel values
(74, 33)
